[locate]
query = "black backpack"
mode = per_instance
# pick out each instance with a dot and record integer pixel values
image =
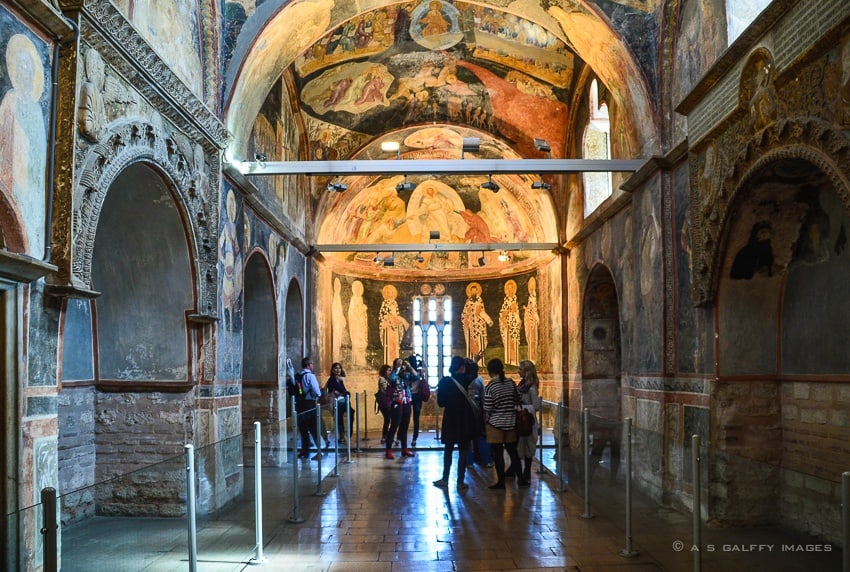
(295, 386)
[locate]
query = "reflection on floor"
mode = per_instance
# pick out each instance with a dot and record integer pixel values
(385, 515)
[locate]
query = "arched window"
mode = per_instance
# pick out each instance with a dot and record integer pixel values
(597, 145)
(432, 334)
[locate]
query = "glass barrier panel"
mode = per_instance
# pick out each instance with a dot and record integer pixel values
(130, 522)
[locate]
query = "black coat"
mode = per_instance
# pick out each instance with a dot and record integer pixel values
(459, 421)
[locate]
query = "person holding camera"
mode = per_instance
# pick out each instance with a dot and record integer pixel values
(401, 375)
(418, 368)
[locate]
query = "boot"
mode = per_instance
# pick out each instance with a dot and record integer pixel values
(407, 453)
(389, 454)
(526, 473)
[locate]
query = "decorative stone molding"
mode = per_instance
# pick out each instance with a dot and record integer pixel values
(819, 142)
(131, 142)
(122, 47)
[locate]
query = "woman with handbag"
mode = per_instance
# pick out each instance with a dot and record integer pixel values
(500, 407)
(382, 399)
(529, 396)
(400, 376)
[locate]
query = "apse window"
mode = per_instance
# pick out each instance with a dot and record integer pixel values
(432, 334)
(597, 145)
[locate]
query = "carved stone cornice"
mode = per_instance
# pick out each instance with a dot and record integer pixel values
(194, 183)
(106, 29)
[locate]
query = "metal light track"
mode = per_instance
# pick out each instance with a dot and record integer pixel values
(437, 247)
(435, 166)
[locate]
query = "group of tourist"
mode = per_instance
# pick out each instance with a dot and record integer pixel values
(479, 419)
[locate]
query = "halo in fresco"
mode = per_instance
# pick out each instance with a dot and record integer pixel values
(435, 25)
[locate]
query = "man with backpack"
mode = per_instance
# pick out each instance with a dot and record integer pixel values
(306, 390)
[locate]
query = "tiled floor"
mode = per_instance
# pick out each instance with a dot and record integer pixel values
(385, 515)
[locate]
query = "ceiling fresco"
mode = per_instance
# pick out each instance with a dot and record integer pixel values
(440, 62)
(376, 211)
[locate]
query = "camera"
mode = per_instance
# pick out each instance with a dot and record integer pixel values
(415, 361)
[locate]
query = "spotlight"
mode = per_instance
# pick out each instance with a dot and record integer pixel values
(433, 235)
(504, 257)
(377, 259)
(541, 185)
(471, 144)
(405, 186)
(481, 260)
(419, 258)
(391, 147)
(260, 157)
(336, 187)
(490, 185)
(543, 145)
(389, 261)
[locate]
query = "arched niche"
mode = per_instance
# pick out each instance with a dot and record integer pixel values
(782, 319)
(142, 267)
(294, 345)
(601, 366)
(259, 345)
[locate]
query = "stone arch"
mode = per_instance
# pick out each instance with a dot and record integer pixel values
(810, 139)
(130, 142)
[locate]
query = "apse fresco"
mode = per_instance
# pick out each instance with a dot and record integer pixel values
(410, 64)
(454, 208)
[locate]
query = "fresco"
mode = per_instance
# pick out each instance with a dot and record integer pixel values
(24, 102)
(700, 23)
(488, 315)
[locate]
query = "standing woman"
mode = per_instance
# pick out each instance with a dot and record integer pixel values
(383, 399)
(416, 382)
(529, 396)
(336, 386)
(399, 407)
(500, 405)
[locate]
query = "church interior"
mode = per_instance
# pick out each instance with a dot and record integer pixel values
(648, 199)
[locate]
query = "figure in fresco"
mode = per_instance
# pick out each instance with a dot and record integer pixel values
(230, 259)
(23, 135)
(433, 208)
(531, 320)
(391, 323)
(812, 245)
(433, 22)
(755, 257)
(510, 324)
(337, 321)
(92, 111)
(373, 90)
(358, 325)
(475, 320)
(763, 101)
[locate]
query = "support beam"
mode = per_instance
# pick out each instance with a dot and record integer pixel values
(438, 247)
(436, 167)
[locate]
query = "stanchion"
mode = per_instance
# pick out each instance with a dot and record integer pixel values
(697, 542)
(559, 447)
(319, 455)
(365, 418)
(190, 508)
(628, 551)
(357, 421)
(296, 507)
(348, 432)
(335, 413)
(258, 494)
(845, 519)
(540, 468)
(586, 455)
(49, 529)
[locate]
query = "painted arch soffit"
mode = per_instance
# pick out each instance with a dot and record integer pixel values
(376, 210)
(319, 39)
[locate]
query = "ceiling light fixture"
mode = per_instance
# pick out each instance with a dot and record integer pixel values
(389, 261)
(490, 185)
(419, 258)
(405, 186)
(504, 257)
(261, 159)
(541, 185)
(391, 147)
(433, 235)
(470, 144)
(481, 260)
(543, 145)
(337, 187)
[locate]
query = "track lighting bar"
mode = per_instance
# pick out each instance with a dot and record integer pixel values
(437, 247)
(436, 166)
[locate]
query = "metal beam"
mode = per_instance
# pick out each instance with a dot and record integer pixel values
(437, 247)
(436, 166)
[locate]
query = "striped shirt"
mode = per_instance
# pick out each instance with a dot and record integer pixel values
(500, 400)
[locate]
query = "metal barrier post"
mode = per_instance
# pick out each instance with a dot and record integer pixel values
(258, 494)
(49, 530)
(357, 422)
(540, 468)
(190, 507)
(319, 455)
(628, 551)
(845, 519)
(335, 413)
(586, 454)
(365, 418)
(559, 446)
(296, 512)
(697, 542)
(348, 432)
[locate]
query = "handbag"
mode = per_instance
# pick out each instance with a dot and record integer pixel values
(524, 423)
(476, 410)
(424, 391)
